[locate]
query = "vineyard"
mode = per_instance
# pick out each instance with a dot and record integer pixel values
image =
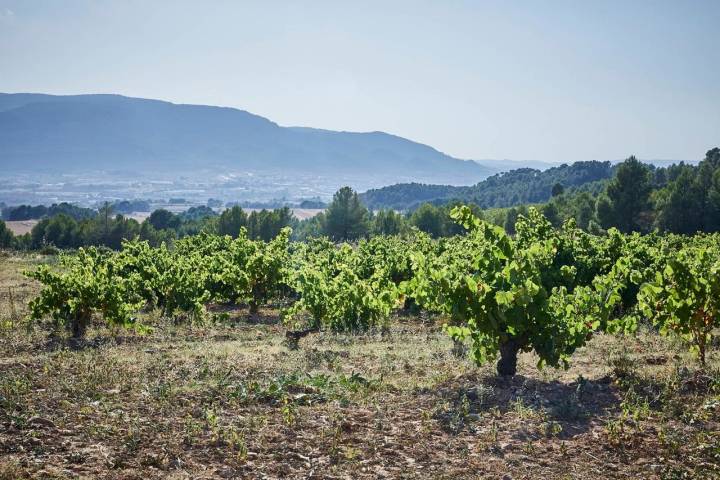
(552, 352)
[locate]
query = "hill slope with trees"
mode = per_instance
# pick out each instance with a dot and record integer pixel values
(516, 187)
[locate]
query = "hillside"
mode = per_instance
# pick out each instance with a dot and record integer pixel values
(95, 132)
(524, 185)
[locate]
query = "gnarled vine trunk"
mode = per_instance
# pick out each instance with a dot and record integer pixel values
(254, 307)
(258, 293)
(79, 324)
(507, 364)
(292, 338)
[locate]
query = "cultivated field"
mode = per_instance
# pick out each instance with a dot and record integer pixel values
(299, 213)
(21, 227)
(230, 400)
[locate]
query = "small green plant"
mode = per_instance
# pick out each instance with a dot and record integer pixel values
(551, 428)
(622, 365)
(212, 424)
(615, 431)
(192, 429)
(132, 439)
(521, 410)
(289, 411)
(236, 441)
(494, 431)
(337, 434)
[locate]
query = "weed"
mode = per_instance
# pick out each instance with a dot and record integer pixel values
(132, 439)
(289, 412)
(521, 410)
(236, 441)
(551, 429)
(192, 429)
(621, 363)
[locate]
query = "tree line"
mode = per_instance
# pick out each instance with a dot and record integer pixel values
(108, 229)
(641, 198)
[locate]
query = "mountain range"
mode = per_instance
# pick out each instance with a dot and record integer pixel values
(78, 133)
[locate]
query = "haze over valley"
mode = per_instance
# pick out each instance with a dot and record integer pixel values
(92, 147)
(87, 149)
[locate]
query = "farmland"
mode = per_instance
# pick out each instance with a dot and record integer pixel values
(21, 227)
(230, 400)
(205, 383)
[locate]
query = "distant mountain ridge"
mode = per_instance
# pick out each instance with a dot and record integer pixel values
(516, 187)
(80, 132)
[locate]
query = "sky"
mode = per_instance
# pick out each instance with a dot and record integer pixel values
(522, 80)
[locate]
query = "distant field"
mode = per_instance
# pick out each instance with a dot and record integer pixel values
(304, 213)
(139, 216)
(300, 213)
(21, 227)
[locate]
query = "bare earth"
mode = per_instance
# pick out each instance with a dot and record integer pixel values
(21, 227)
(300, 213)
(230, 400)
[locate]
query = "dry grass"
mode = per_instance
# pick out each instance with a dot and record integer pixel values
(21, 227)
(231, 401)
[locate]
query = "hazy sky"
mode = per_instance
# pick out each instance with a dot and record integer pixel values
(550, 80)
